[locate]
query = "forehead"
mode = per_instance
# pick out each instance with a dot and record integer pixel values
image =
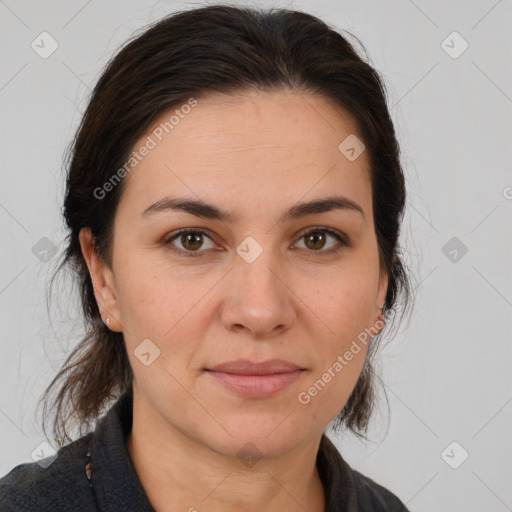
(252, 149)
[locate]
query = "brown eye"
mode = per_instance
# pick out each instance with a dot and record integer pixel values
(191, 240)
(316, 240)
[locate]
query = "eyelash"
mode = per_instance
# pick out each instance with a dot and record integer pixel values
(195, 254)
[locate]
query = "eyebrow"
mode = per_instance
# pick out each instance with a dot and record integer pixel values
(205, 210)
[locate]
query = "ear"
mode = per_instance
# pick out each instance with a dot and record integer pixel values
(102, 280)
(381, 297)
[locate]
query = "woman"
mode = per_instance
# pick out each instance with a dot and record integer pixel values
(234, 198)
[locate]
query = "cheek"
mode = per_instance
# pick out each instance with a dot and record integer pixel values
(167, 306)
(153, 295)
(345, 309)
(343, 303)
(324, 395)
(157, 308)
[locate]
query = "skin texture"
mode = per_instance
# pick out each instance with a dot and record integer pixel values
(254, 155)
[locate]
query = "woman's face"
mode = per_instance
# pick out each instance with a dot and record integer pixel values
(252, 285)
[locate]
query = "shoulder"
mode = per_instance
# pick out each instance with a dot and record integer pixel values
(348, 489)
(373, 496)
(61, 485)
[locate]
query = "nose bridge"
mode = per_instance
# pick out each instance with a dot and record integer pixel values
(258, 261)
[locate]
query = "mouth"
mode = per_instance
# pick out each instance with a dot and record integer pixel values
(255, 380)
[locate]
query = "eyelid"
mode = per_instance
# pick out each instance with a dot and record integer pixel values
(334, 232)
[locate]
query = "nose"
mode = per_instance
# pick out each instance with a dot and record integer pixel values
(258, 299)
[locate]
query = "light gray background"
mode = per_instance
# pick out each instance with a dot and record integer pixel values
(447, 374)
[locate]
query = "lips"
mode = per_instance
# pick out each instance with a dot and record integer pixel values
(255, 380)
(246, 367)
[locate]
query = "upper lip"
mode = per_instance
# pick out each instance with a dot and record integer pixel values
(246, 367)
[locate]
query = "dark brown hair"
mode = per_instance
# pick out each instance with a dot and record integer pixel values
(222, 49)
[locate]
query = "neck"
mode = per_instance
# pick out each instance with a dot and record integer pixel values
(179, 473)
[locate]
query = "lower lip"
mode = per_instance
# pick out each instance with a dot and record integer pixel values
(256, 386)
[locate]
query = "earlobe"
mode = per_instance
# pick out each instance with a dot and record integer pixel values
(378, 323)
(102, 281)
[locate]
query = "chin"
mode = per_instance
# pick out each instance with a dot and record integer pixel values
(257, 437)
